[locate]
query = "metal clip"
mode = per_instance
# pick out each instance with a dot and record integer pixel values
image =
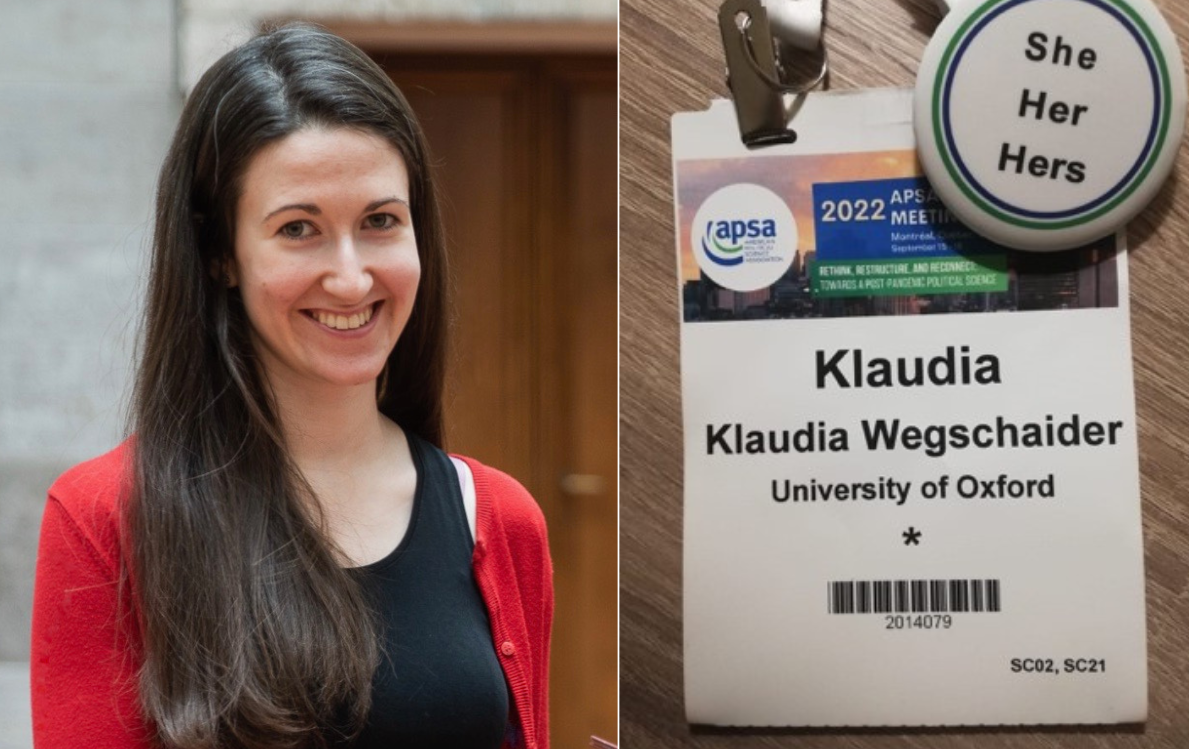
(754, 76)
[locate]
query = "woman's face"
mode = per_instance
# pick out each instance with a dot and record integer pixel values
(325, 255)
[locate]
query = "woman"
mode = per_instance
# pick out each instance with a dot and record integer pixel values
(281, 555)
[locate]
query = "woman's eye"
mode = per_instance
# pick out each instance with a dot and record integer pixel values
(381, 221)
(294, 229)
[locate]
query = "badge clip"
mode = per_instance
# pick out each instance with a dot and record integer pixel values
(754, 72)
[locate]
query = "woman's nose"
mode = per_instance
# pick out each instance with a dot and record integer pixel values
(349, 277)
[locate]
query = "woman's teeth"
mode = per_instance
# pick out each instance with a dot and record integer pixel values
(348, 322)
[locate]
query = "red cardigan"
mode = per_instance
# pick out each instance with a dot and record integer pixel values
(83, 665)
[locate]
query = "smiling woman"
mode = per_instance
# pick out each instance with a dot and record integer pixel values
(327, 278)
(282, 555)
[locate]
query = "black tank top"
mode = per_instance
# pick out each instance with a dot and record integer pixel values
(439, 683)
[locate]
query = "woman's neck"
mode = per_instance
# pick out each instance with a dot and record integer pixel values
(332, 428)
(356, 461)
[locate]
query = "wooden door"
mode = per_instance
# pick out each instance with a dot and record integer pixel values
(525, 151)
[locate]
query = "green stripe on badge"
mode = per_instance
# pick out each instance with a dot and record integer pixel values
(833, 279)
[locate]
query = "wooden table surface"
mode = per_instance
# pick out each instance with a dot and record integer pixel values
(672, 61)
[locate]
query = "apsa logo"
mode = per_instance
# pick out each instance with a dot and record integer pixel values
(723, 242)
(747, 235)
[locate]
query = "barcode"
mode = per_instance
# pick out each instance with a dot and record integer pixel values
(913, 596)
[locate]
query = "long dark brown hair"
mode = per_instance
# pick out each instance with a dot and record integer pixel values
(253, 634)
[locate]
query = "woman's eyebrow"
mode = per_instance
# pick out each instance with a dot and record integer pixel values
(314, 210)
(385, 201)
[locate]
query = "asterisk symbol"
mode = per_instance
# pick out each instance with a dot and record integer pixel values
(912, 537)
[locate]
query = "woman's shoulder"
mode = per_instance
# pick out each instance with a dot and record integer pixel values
(97, 483)
(90, 494)
(503, 501)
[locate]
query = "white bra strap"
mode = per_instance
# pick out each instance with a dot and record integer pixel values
(466, 482)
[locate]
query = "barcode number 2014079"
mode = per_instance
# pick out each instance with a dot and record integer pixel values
(918, 621)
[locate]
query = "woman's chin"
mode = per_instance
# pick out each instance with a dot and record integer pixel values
(354, 381)
(344, 376)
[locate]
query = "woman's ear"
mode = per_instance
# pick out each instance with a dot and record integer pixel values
(224, 270)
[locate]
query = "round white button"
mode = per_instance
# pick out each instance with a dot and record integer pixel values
(1047, 124)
